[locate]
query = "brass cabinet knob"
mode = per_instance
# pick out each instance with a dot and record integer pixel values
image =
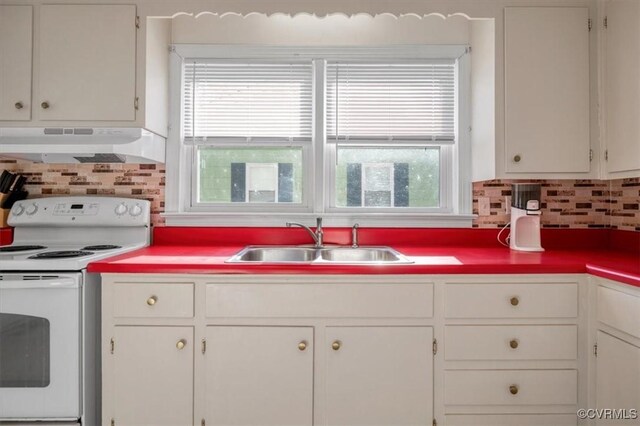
(45, 105)
(181, 344)
(515, 301)
(513, 343)
(302, 345)
(513, 389)
(19, 105)
(152, 300)
(336, 345)
(517, 158)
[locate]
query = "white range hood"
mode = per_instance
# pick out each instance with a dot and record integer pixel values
(82, 145)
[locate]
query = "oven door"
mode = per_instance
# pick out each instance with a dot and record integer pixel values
(40, 346)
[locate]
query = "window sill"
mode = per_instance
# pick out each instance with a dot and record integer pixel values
(372, 220)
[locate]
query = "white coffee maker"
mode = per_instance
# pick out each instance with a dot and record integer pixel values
(525, 217)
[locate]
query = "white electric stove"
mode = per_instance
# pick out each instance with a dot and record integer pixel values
(50, 305)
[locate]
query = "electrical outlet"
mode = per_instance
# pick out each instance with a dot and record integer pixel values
(484, 206)
(507, 204)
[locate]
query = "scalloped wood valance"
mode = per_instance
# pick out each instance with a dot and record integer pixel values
(321, 8)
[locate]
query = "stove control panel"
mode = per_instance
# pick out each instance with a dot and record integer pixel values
(76, 209)
(80, 211)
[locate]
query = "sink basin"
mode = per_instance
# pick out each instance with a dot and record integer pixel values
(276, 255)
(362, 255)
(341, 255)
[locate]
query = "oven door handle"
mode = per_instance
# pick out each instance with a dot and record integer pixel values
(45, 283)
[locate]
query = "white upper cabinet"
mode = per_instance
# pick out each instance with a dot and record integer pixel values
(546, 90)
(87, 62)
(621, 86)
(16, 26)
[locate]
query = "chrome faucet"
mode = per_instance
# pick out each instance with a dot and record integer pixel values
(354, 236)
(317, 235)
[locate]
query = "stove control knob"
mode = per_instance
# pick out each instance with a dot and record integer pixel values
(32, 209)
(135, 210)
(18, 209)
(121, 209)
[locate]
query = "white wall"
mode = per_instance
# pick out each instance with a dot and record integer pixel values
(307, 30)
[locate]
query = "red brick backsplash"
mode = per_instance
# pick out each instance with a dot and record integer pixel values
(565, 203)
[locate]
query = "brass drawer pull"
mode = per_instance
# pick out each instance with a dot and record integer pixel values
(19, 105)
(517, 158)
(181, 344)
(302, 345)
(513, 389)
(45, 105)
(515, 301)
(336, 345)
(152, 300)
(513, 344)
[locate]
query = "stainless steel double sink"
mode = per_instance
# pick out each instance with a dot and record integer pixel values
(325, 255)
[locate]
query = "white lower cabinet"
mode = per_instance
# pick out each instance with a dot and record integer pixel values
(618, 353)
(259, 376)
(379, 376)
(511, 420)
(618, 377)
(471, 350)
(151, 377)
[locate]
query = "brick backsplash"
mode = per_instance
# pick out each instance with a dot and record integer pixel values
(565, 203)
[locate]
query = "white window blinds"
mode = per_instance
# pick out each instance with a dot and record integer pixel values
(249, 101)
(410, 102)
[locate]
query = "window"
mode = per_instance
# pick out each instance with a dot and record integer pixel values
(260, 106)
(322, 131)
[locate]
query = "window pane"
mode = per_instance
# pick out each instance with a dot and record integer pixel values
(258, 100)
(250, 175)
(411, 101)
(388, 177)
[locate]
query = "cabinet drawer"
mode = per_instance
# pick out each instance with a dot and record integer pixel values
(512, 420)
(493, 387)
(511, 342)
(158, 300)
(619, 310)
(320, 300)
(511, 300)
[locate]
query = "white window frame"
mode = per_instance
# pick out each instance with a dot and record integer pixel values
(318, 156)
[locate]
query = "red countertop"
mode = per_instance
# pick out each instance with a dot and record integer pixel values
(6, 236)
(602, 252)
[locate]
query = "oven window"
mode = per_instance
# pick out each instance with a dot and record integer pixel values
(24, 351)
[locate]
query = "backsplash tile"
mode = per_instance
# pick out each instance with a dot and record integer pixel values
(144, 181)
(565, 203)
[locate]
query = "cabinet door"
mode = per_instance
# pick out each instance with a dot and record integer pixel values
(87, 63)
(15, 62)
(379, 376)
(618, 377)
(152, 376)
(622, 85)
(546, 90)
(259, 376)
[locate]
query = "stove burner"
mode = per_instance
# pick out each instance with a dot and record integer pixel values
(13, 249)
(60, 254)
(101, 247)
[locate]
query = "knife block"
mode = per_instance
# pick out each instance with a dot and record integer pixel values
(4, 213)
